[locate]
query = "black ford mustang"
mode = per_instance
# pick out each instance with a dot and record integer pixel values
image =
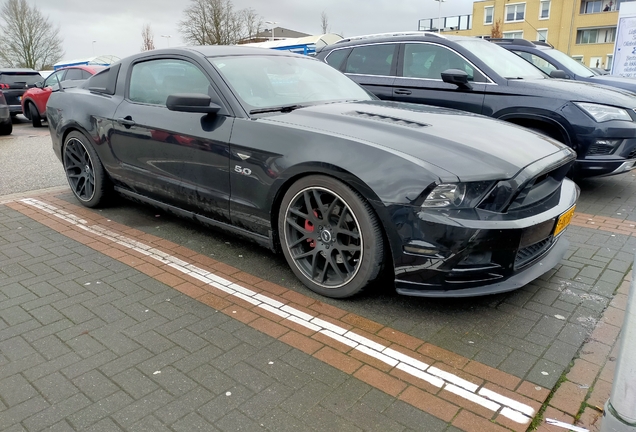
(289, 152)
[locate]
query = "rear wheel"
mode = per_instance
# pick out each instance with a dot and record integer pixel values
(330, 237)
(84, 171)
(6, 128)
(36, 120)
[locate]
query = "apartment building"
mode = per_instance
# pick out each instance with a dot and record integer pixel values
(584, 29)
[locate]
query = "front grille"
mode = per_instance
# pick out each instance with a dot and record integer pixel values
(527, 254)
(632, 154)
(599, 149)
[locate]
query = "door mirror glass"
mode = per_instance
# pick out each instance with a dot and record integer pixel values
(39, 84)
(188, 102)
(457, 77)
(559, 74)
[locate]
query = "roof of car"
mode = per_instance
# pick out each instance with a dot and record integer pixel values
(522, 42)
(398, 37)
(18, 70)
(225, 50)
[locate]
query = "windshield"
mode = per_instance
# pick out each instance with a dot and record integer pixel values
(502, 61)
(268, 81)
(575, 67)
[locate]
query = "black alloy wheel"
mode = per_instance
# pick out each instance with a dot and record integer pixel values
(330, 237)
(84, 171)
(36, 120)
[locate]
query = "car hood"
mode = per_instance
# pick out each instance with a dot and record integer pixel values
(576, 91)
(615, 81)
(470, 146)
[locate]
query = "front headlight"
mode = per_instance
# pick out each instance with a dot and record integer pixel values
(603, 113)
(457, 195)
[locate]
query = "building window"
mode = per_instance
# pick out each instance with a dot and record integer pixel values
(578, 58)
(489, 12)
(597, 35)
(544, 10)
(513, 34)
(596, 6)
(542, 35)
(515, 12)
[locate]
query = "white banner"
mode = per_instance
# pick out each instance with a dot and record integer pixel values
(624, 63)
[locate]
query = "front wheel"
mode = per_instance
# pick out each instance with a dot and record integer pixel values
(84, 171)
(36, 119)
(330, 236)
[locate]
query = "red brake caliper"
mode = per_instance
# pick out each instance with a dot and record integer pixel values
(310, 227)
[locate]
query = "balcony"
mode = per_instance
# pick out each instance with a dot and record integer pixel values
(452, 23)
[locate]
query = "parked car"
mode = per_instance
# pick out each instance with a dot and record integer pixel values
(599, 71)
(34, 100)
(475, 75)
(6, 125)
(560, 65)
(285, 150)
(13, 83)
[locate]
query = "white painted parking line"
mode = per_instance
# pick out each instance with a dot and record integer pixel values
(515, 411)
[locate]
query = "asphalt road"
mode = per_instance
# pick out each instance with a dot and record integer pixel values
(515, 332)
(27, 159)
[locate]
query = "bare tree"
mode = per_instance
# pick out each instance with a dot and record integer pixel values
(495, 31)
(148, 38)
(324, 22)
(27, 38)
(215, 22)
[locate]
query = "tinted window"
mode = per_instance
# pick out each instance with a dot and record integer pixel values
(336, 57)
(52, 79)
(153, 81)
(500, 60)
(429, 61)
(86, 75)
(545, 66)
(20, 78)
(73, 74)
(371, 60)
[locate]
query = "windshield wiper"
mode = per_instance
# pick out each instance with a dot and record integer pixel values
(284, 109)
(514, 78)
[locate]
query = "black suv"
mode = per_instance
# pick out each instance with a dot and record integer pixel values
(475, 75)
(560, 65)
(13, 83)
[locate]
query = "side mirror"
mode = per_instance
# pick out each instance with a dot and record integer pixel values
(39, 84)
(457, 77)
(558, 73)
(190, 102)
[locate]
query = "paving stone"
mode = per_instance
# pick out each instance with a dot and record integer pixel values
(367, 419)
(237, 421)
(193, 422)
(15, 389)
(95, 385)
(184, 405)
(135, 383)
(414, 418)
(149, 424)
(55, 387)
(51, 366)
(224, 403)
(105, 425)
(537, 376)
(126, 361)
(46, 314)
(306, 398)
(97, 411)
(518, 363)
(249, 376)
(16, 348)
(87, 364)
(85, 345)
(56, 412)
(142, 407)
(197, 359)
(153, 341)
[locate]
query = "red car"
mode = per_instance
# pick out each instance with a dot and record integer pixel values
(34, 100)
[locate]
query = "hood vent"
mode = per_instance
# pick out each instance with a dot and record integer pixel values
(386, 119)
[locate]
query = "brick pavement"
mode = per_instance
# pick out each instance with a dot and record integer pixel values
(130, 331)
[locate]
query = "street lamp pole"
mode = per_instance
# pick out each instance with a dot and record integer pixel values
(167, 38)
(272, 23)
(439, 15)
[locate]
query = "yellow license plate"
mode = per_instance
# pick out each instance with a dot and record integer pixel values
(563, 221)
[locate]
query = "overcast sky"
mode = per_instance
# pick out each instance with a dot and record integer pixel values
(115, 25)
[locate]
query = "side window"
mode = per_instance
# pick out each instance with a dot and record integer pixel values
(73, 74)
(429, 61)
(371, 60)
(86, 75)
(542, 64)
(151, 82)
(51, 80)
(336, 57)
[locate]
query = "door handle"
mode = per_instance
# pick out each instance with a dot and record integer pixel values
(126, 121)
(403, 92)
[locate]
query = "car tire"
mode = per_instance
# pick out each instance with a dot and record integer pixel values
(6, 128)
(36, 120)
(84, 171)
(330, 236)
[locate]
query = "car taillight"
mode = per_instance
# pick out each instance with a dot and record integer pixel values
(4, 86)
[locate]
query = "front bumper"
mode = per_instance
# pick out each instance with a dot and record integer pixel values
(443, 255)
(15, 109)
